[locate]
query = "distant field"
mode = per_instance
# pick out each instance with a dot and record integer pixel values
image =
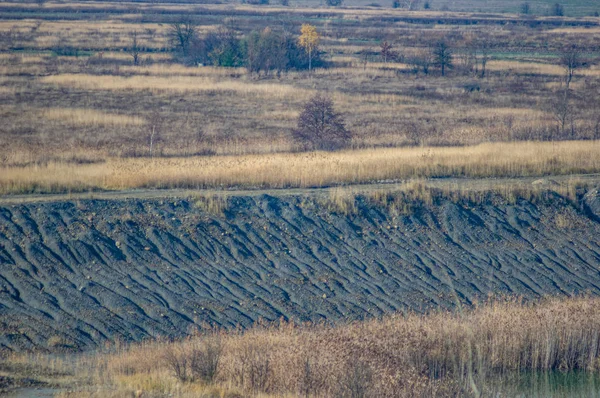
(73, 104)
(538, 7)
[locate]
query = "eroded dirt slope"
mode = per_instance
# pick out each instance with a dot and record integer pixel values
(75, 274)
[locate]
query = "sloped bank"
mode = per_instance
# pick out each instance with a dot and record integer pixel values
(76, 274)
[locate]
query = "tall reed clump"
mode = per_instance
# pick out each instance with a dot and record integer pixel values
(474, 352)
(210, 203)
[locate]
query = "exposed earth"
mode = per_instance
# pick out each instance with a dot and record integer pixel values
(77, 272)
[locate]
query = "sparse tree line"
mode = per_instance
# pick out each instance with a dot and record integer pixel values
(261, 51)
(319, 126)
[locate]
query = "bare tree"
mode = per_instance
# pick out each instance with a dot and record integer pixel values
(484, 47)
(365, 56)
(558, 10)
(443, 57)
(156, 121)
(564, 113)
(320, 126)
(387, 52)
(134, 50)
(570, 60)
(181, 34)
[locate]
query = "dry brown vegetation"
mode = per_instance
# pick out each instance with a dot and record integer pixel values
(69, 92)
(314, 169)
(478, 352)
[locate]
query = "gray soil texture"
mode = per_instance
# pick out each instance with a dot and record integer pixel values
(76, 274)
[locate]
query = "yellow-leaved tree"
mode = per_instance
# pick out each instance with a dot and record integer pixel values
(309, 40)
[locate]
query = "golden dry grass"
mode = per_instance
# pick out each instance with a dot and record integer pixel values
(536, 68)
(180, 84)
(90, 117)
(315, 169)
(181, 70)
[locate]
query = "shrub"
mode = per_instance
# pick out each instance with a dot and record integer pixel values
(177, 362)
(197, 361)
(254, 368)
(204, 360)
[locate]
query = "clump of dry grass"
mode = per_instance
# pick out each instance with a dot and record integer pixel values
(315, 169)
(175, 83)
(213, 204)
(406, 198)
(441, 354)
(90, 117)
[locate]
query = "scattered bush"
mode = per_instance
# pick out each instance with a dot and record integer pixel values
(253, 369)
(205, 358)
(195, 361)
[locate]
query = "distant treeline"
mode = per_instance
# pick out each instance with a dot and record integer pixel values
(259, 51)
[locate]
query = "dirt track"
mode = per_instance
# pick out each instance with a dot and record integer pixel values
(75, 273)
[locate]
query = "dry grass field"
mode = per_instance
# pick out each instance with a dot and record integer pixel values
(478, 352)
(305, 170)
(70, 94)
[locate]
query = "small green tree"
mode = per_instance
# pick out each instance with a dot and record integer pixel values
(227, 50)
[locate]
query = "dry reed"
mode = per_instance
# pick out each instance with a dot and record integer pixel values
(314, 169)
(441, 354)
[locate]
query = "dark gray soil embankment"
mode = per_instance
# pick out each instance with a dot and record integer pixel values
(75, 274)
